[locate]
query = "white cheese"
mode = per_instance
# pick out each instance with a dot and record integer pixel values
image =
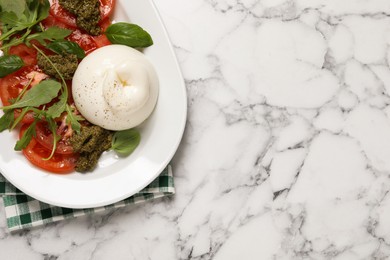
(115, 87)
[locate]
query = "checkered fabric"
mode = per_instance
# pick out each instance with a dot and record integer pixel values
(23, 211)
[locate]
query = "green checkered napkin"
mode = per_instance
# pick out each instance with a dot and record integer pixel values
(23, 211)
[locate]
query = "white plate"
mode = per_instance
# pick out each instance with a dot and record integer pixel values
(115, 178)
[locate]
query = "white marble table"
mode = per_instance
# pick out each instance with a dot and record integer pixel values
(286, 151)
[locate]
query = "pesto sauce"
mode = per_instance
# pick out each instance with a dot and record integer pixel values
(90, 143)
(87, 14)
(66, 65)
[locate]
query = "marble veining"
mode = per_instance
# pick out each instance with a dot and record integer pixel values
(286, 150)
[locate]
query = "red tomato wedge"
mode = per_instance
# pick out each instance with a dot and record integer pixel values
(59, 163)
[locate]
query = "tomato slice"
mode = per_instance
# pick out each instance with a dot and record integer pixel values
(62, 15)
(86, 41)
(106, 8)
(28, 55)
(105, 23)
(59, 163)
(101, 41)
(44, 137)
(28, 118)
(12, 84)
(51, 21)
(65, 17)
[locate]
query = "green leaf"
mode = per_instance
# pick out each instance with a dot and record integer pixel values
(125, 142)
(6, 120)
(51, 34)
(26, 138)
(9, 64)
(53, 128)
(40, 94)
(18, 17)
(73, 120)
(15, 6)
(128, 34)
(57, 108)
(31, 11)
(43, 10)
(11, 20)
(62, 46)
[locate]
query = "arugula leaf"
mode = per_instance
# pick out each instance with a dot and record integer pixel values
(9, 64)
(43, 10)
(128, 34)
(37, 10)
(19, 18)
(15, 6)
(40, 94)
(20, 117)
(6, 120)
(61, 46)
(10, 19)
(51, 34)
(125, 142)
(73, 120)
(26, 138)
(56, 109)
(53, 128)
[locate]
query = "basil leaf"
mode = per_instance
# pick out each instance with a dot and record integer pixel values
(40, 94)
(9, 64)
(128, 34)
(125, 142)
(51, 34)
(6, 120)
(26, 138)
(61, 46)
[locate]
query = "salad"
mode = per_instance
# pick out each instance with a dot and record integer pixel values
(43, 46)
